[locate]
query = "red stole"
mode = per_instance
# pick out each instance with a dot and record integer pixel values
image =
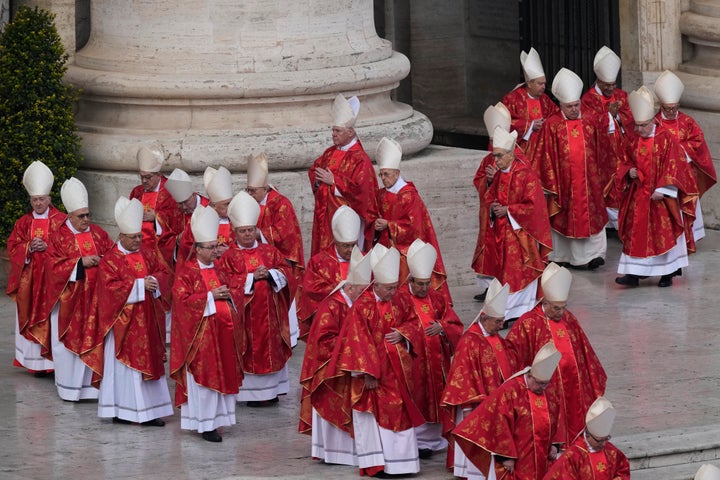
(568, 371)
(344, 268)
(137, 264)
(541, 429)
(605, 100)
(85, 244)
(533, 107)
(224, 326)
(39, 228)
(500, 355)
(578, 172)
(672, 126)
(223, 233)
(644, 154)
(424, 310)
(599, 465)
(149, 201)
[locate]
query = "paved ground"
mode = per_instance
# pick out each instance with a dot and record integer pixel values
(659, 347)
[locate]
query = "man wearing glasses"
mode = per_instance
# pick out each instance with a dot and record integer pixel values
(70, 280)
(125, 337)
(581, 377)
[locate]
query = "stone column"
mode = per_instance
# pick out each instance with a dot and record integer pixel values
(700, 72)
(214, 81)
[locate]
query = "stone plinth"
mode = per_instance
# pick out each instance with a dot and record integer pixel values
(217, 81)
(450, 198)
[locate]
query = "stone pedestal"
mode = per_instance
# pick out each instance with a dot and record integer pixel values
(214, 82)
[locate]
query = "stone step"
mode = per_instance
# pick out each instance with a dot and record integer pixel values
(674, 454)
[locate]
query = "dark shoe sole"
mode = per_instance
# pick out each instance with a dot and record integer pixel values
(628, 281)
(212, 436)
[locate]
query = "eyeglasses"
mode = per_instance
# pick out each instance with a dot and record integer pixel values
(252, 190)
(83, 216)
(208, 247)
(499, 155)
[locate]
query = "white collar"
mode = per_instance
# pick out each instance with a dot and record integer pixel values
(398, 185)
(347, 147)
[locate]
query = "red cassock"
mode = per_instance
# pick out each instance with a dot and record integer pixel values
(579, 463)
(356, 182)
(168, 216)
(267, 329)
(186, 240)
(362, 348)
(323, 273)
(432, 363)
(76, 298)
(325, 389)
(565, 158)
(280, 227)
(580, 378)
(516, 257)
(138, 328)
(649, 228)
(480, 365)
(610, 145)
(523, 110)
(408, 220)
(512, 422)
(209, 347)
(692, 140)
(25, 279)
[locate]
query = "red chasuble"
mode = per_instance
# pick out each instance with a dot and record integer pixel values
(323, 273)
(516, 257)
(325, 388)
(167, 214)
(587, 375)
(514, 423)
(280, 227)
(267, 329)
(362, 349)
(692, 141)
(209, 347)
(566, 161)
(408, 220)
(138, 328)
(25, 279)
(522, 113)
(432, 363)
(610, 145)
(75, 297)
(356, 182)
(578, 463)
(650, 228)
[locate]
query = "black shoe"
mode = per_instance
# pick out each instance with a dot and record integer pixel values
(121, 420)
(628, 280)
(480, 297)
(564, 264)
(677, 273)
(595, 263)
(666, 281)
(425, 453)
(262, 403)
(156, 422)
(509, 323)
(212, 436)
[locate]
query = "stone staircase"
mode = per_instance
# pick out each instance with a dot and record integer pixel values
(674, 454)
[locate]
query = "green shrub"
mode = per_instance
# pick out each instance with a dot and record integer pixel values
(36, 111)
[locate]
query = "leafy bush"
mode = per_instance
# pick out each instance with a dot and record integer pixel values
(36, 111)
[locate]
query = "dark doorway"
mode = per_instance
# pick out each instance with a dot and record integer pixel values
(568, 33)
